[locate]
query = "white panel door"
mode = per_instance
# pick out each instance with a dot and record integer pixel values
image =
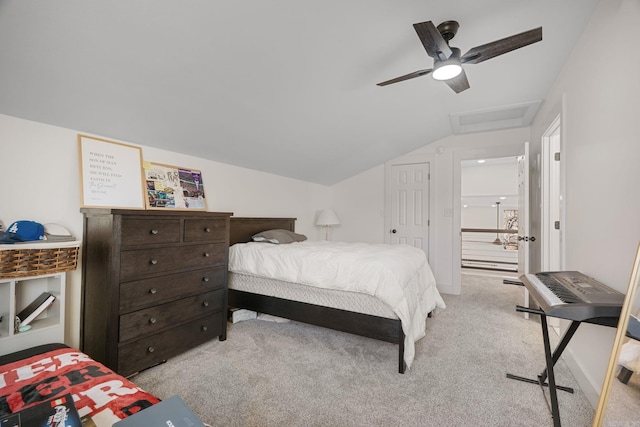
(410, 205)
(523, 211)
(523, 218)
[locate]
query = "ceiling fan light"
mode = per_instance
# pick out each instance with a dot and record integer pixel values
(448, 69)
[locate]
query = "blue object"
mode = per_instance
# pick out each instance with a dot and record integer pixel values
(23, 231)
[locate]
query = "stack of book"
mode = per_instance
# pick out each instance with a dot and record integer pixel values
(35, 309)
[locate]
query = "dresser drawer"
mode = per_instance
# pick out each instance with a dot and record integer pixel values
(155, 349)
(154, 319)
(144, 293)
(205, 230)
(143, 262)
(150, 231)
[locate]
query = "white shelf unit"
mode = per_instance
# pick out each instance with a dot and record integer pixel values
(16, 294)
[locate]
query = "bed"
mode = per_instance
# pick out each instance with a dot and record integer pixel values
(347, 311)
(29, 377)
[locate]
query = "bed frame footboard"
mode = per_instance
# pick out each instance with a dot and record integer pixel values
(366, 325)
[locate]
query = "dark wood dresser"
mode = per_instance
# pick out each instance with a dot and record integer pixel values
(154, 284)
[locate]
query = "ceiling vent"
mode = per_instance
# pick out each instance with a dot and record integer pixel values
(513, 116)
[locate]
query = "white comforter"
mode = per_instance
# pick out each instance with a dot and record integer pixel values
(399, 275)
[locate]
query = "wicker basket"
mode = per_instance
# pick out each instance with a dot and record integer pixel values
(20, 260)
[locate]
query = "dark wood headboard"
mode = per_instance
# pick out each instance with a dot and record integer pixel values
(243, 228)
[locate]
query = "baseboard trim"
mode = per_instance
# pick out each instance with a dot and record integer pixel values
(591, 391)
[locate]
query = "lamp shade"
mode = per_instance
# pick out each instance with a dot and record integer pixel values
(327, 217)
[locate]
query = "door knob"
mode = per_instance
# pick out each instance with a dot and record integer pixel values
(394, 231)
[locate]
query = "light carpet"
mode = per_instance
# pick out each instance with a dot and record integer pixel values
(293, 374)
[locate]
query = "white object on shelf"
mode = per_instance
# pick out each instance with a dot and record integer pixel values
(15, 294)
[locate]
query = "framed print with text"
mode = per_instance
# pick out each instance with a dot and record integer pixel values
(110, 174)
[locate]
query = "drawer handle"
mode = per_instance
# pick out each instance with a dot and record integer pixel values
(205, 304)
(206, 254)
(153, 262)
(152, 320)
(154, 231)
(204, 329)
(151, 349)
(153, 290)
(205, 279)
(207, 230)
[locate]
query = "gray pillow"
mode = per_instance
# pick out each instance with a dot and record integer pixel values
(278, 236)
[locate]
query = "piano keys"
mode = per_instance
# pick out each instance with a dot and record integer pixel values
(573, 295)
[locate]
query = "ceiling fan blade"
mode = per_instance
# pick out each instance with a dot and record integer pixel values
(487, 51)
(459, 82)
(406, 77)
(432, 40)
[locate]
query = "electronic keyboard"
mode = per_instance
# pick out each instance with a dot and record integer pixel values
(568, 295)
(572, 295)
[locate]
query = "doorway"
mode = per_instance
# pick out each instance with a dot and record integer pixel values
(489, 216)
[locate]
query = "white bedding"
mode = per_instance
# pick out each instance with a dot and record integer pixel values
(399, 275)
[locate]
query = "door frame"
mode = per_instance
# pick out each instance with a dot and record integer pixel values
(458, 157)
(546, 223)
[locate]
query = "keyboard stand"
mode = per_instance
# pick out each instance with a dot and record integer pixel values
(550, 361)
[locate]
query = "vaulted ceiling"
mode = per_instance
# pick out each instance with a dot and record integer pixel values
(282, 86)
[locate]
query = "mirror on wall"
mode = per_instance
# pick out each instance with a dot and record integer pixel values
(619, 402)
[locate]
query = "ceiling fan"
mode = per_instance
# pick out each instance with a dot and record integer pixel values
(448, 62)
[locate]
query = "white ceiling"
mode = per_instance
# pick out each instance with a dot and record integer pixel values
(282, 86)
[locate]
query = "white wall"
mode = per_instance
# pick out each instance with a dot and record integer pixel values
(483, 217)
(478, 217)
(359, 203)
(481, 186)
(601, 149)
(40, 182)
(487, 179)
